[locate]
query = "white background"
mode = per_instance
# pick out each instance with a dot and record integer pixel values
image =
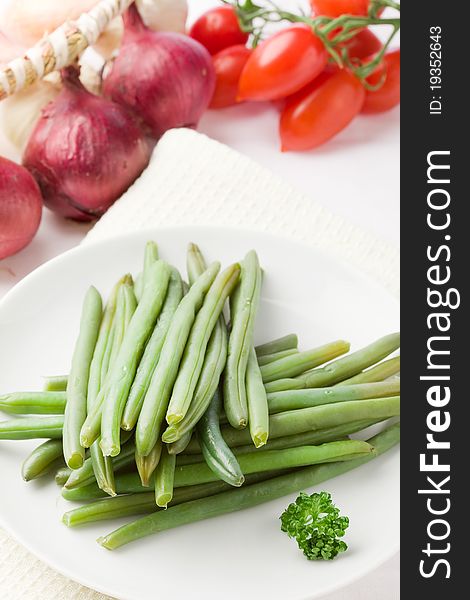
(355, 175)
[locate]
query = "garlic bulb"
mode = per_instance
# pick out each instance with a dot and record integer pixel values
(109, 41)
(9, 50)
(26, 21)
(20, 112)
(91, 77)
(164, 15)
(159, 15)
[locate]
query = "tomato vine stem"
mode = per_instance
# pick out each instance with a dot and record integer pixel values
(333, 32)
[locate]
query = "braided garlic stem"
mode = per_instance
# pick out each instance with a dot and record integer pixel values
(60, 48)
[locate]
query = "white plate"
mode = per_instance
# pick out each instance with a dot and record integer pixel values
(238, 555)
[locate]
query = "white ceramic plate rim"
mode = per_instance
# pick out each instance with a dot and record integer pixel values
(152, 233)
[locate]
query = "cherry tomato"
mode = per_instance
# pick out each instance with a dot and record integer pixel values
(218, 29)
(336, 8)
(363, 44)
(228, 65)
(388, 95)
(282, 64)
(321, 110)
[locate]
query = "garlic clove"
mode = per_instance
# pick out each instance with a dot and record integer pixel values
(164, 15)
(20, 112)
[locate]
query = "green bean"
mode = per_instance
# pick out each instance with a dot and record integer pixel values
(180, 444)
(189, 459)
(209, 379)
(34, 403)
(62, 475)
(42, 460)
(258, 413)
(244, 497)
(150, 257)
(109, 351)
(295, 399)
(268, 460)
(126, 483)
(195, 263)
(129, 483)
(59, 382)
(340, 369)
(240, 441)
(104, 352)
(158, 394)
(85, 475)
(102, 344)
(139, 503)
(126, 305)
(111, 508)
(102, 469)
(146, 465)
(265, 359)
(130, 306)
(152, 352)
(214, 364)
(55, 383)
(196, 346)
(218, 456)
(76, 407)
(382, 371)
(139, 286)
(318, 418)
(329, 415)
(32, 428)
(91, 491)
(243, 309)
(110, 338)
(132, 347)
(164, 478)
(290, 366)
(288, 342)
(308, 438)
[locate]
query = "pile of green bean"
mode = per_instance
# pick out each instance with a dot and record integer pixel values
(162, 392)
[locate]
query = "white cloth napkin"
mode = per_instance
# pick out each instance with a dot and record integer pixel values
(193, 180)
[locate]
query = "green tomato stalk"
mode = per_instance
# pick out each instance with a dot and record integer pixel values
(333, 32)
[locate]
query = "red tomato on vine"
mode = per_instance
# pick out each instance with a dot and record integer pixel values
(321, 110)
(217, 29)
(283, 64)
(336, 8)
(388, 94)
(363, 44)
(228, 65)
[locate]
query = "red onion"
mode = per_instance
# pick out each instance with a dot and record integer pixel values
(84, 152)
(167, 79)
(20, 207)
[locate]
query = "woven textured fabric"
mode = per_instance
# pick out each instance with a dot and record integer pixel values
(25, 577)
(193, 180)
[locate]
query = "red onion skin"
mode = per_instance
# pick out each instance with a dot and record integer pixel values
(20, 207)
(167, 79)
(84, 152)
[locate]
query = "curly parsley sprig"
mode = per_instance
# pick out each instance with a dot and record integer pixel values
(315, 523)
(333, 32)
